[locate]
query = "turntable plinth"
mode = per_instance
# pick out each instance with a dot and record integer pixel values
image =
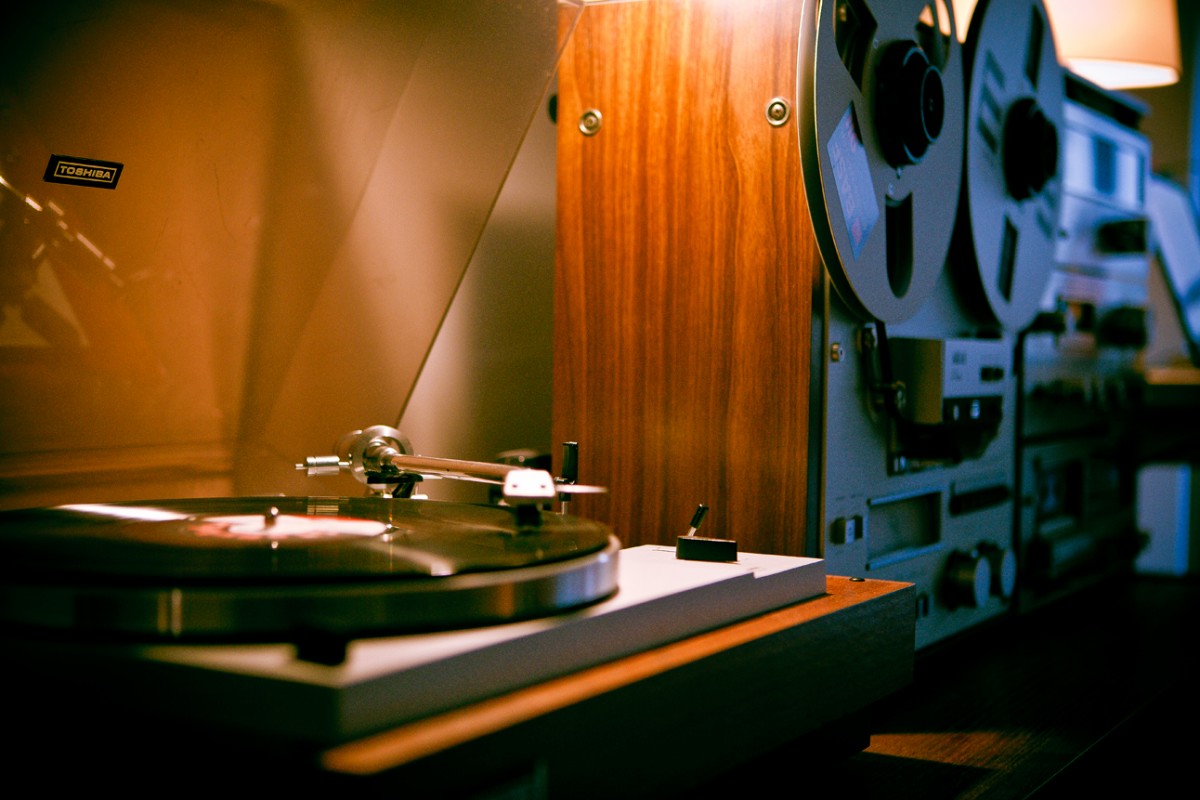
(664, 719)
(668, 719)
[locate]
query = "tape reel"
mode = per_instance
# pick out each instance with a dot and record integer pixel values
(1008, 224)
(882, 86)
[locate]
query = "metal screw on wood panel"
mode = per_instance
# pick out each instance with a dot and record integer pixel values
(589, 122)
(778, 111)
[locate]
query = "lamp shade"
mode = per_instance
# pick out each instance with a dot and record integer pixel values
(1117, 44)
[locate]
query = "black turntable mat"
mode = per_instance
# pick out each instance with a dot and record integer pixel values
(264, 565)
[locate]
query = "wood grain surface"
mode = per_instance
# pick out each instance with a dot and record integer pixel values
(685, 272)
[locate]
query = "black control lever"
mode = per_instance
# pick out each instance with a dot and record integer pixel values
(691, 547)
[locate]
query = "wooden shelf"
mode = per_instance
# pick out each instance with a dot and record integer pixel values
(1091, 692)
(825, 696)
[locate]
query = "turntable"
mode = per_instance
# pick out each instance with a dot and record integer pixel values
(350, 566)
(364, 586)
(310, 624)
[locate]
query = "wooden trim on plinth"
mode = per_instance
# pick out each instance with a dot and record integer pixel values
(669, 717)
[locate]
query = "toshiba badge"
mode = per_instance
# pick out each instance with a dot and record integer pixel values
(83, 172)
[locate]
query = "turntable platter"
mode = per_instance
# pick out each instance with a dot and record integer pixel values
(278, 566)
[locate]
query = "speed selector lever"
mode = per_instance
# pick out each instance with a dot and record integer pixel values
(691, 547)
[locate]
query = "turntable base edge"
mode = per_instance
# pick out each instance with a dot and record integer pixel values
(794, 683)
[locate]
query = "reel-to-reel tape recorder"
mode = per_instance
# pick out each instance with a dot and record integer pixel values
(797, 244)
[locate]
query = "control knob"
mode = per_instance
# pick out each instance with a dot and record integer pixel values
(1003, 563)
(967, 579)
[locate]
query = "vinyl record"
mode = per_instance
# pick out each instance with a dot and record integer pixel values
(881, 135)
(1008, 223)
(272, 566)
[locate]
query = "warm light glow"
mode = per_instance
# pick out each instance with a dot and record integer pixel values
(936, 14)
(962, 17)
(1124, 75)
(1117, 44)
(142, 513)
